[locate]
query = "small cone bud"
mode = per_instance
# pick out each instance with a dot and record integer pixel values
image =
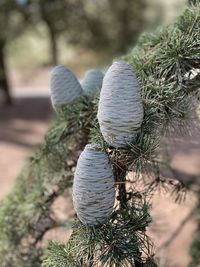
(92, 82)
(64, 86)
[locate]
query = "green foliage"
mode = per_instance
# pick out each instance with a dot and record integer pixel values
(163, 61)
(11, 15)
(25, 215)
(89, 24)
(118, 242)
(55, 14)
(100, 23)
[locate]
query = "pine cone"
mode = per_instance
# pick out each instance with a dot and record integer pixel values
(93, 188)
(92, 81)
(120, 111)
(64, 86)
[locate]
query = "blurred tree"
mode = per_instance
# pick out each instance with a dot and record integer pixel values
(3, 74)
(12, 23)
(108, 25)
(54, 16)
(193, 1)
(129, 20)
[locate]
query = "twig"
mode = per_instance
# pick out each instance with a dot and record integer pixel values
(120, 176)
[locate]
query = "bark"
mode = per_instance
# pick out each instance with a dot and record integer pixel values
(53, 45)
(46, 16)
(4, 85)
(120, 172)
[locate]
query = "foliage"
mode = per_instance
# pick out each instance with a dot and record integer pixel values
(163, 62)
(99, 24)
(89, 23)
(11, 15)
(113, 244)
(55, 15)
(25, 215)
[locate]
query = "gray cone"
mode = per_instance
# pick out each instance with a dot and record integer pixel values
(120, 110)
(64, 86)
(93, 188)
(92, 81)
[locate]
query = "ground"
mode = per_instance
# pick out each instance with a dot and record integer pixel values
(22, 128)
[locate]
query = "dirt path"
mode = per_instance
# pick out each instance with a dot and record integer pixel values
(22, 128)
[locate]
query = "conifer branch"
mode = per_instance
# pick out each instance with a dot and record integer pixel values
(163, 61)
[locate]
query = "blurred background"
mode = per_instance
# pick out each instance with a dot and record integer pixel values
(36, 35)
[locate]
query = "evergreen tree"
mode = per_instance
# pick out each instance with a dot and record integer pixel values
(56, 16)
(110, 26)
(163, 62)
(12, 23)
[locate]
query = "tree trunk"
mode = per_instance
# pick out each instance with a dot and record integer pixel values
(53, 46)
(4, 85)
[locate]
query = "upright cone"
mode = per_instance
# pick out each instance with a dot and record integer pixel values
(93, 188)
(64, 86)
(92, 82)
(120, 111)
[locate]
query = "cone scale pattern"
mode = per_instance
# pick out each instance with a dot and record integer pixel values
(92, 81)
(120, 111)
(93, 188)
(64, 86)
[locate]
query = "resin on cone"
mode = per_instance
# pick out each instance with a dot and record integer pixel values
(64, 86)
(92, 82)
(120, 111)
(93, 188)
